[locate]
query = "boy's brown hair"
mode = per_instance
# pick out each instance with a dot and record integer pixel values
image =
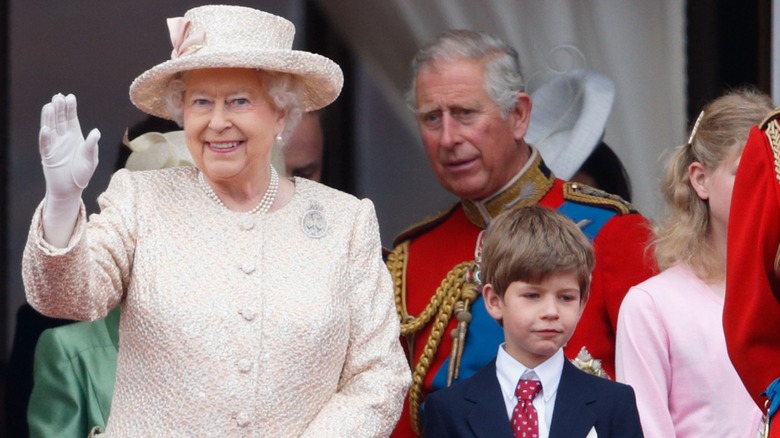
(530, 243)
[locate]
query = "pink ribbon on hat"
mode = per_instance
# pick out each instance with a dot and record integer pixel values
(183, 38)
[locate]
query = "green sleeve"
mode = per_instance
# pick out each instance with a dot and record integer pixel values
(57, 402)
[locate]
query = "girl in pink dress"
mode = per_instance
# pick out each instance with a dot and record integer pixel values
(670, 343)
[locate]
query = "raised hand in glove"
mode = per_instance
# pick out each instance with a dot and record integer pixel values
(69, 161)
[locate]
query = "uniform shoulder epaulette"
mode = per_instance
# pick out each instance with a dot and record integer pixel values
(585, 194)
(424, 225)
(774, 115)
(771, 128)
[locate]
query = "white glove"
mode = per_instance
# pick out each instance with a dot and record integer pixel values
(69, 161)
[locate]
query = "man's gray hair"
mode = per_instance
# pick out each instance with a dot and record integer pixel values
(502, 68)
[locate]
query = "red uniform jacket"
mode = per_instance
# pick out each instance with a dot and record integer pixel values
(751, 314)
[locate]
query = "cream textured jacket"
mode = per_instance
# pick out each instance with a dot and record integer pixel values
(233, 324)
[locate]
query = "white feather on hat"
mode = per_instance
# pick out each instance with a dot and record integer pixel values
(568, 118)
(220, 36)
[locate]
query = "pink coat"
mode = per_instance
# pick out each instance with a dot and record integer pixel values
(671, 349)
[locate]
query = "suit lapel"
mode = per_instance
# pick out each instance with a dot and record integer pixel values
(572, 415)
(488, 417)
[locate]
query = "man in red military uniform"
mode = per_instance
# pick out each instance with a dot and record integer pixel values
(751, 314)
(473, 115)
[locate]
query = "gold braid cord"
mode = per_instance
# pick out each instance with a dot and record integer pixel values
(439, 310)
(773, 135)
(588, 195)
(397, 264)
(772, 131)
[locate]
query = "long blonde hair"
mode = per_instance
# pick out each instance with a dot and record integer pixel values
(684, 235)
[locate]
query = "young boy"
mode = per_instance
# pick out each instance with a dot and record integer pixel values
(536, 266)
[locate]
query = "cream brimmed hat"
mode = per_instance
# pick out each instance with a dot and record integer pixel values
(568, 118)
(219, 36)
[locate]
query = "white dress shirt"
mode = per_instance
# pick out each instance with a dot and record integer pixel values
(509, 371)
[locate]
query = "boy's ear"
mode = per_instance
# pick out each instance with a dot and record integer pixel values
(493, 303)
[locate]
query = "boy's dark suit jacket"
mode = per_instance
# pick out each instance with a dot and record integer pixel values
(475, 408)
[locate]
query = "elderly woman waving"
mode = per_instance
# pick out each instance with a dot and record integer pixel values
(252, 305)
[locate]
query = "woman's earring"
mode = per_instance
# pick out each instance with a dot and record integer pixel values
(278, 139)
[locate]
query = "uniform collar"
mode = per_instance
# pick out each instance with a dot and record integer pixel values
(526, 188)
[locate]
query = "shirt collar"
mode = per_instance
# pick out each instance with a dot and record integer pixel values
(509, 371)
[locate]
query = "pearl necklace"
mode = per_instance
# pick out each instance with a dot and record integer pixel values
(262, 207)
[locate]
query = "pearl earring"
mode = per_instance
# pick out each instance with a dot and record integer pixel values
(278, 138)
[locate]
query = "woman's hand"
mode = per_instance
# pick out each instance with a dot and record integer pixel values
(69, 161)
